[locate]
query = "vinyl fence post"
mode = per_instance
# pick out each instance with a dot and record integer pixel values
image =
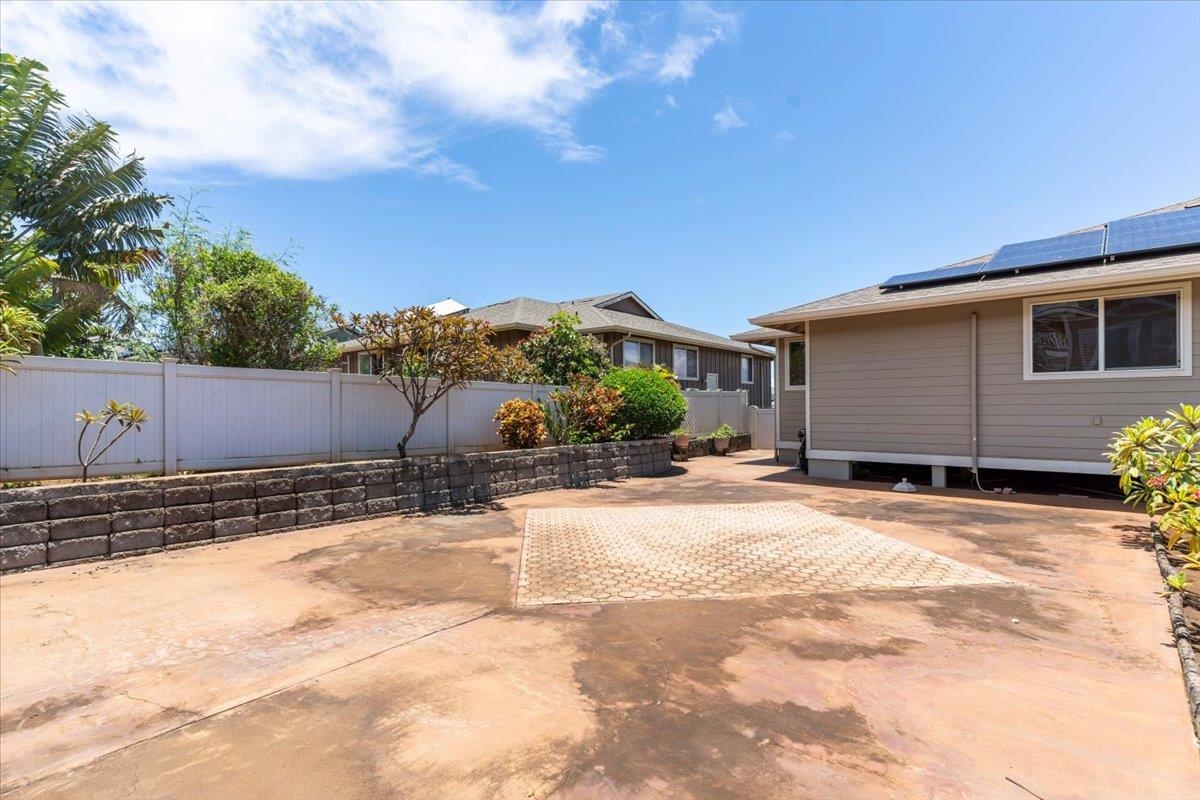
(335, 414)
(449, 424)
(170, 367)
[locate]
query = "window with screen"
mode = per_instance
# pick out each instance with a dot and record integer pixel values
(747, 369)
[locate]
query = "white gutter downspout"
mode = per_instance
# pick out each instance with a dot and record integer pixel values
(975, 396)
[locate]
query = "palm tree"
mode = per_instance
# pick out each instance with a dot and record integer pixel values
(72, 212)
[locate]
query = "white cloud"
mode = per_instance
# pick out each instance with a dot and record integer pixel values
(671, 101)
(306, 90)
(783, 137)
(704, 27)
(727, 119)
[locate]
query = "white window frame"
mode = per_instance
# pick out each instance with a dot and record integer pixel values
(785, 370)
(695, 350)
(370, 363)
(741, 370)
(653, 350)
(1184, 334)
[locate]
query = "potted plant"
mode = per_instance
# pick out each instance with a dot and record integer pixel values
(682, 437)
(721, 437)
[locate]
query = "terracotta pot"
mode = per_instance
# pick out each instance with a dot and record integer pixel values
(682, 442)
(721, 445)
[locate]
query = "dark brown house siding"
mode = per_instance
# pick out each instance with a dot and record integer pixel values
(629, 306)
(725, 363)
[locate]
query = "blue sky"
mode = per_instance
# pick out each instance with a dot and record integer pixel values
(720, 160)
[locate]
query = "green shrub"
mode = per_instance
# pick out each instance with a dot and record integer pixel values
(558, 351)
(651, 403)
(521, 423)
(724, 431)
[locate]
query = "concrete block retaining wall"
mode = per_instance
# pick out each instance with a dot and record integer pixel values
(704, 447)
(61, 524)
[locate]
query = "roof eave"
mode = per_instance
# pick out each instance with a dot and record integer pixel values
(900, 303)
(759, 337)
(688, 340)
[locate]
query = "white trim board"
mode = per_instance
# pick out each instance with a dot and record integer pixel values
(786, 361)
(985, 462)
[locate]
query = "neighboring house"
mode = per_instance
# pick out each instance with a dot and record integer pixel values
(633, 333)
(1028, 358)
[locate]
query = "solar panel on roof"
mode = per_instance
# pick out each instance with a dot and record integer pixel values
(1154, 232)
(1044, 252)
(932, 275)
(1134, 235)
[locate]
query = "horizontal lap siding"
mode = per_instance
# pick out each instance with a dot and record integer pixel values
(900, 383)
(792, 412)
(1070, 420)
(894, 383)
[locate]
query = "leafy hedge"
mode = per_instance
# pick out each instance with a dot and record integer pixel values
(651, 403)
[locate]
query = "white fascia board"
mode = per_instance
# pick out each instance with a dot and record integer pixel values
(1065, 283)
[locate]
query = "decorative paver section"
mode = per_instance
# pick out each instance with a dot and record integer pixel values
(620, 553)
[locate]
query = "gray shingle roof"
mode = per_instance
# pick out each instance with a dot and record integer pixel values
(527, 313)
(874, 298)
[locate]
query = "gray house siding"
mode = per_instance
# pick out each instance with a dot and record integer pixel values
(899, 383)
(790, 403)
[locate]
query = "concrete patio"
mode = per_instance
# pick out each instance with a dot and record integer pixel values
(970, 646)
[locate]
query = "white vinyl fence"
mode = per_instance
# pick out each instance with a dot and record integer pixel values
(762, 428)
(207, 418)
(707, 410)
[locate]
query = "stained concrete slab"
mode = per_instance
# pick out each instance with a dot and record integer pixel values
(388, 658)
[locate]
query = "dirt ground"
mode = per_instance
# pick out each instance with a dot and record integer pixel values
(388, 658)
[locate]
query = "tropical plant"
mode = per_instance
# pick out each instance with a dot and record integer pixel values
(20, 330)
(584, 413)
(1158, 461)
(509, 364)
(222, 303)
(723, 431)
(73, 213)
(557, 425)
(127, 417)
(522, 423)
(558, 351)
(651, 403)
(421, 355)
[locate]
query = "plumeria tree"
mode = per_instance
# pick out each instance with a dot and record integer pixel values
(1159, 464)
(422, 355)
(125, 416)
